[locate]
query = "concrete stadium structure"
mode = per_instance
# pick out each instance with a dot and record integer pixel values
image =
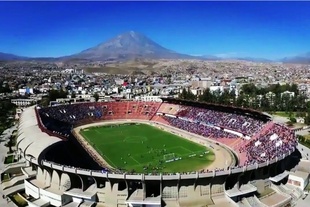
(57, 170)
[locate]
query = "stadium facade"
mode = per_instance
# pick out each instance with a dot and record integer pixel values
(59, 171)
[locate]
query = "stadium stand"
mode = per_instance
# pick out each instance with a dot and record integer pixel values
(73, 176)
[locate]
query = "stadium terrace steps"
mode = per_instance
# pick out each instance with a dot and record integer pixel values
(13, 181)
(254, 202)
(14, 165)
(14, 189)
(222, 200)
(244, 203)
(28, 171)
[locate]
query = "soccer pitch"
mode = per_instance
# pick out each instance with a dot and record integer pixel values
(144, 148)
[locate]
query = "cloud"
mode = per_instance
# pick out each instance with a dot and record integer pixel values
(227, 55)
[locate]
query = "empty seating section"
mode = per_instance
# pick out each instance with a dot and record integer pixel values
(98, 111)
(167, 108)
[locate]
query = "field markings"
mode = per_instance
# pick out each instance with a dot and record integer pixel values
(115, 166)
(121, 136)
(135, 160)
(190, 151)
(98, 132)
(135, 139)
(176, 151)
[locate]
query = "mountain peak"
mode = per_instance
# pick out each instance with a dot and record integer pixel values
(129, 45)
(130, 34)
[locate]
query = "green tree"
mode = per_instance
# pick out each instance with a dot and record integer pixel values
(191, 96)
(96, 96)
(265, 104)
(240, 100)
(249, 89)
(183, 94)
(73, 94)
(225, 97)
(187, 94)
(55, 94)
(206, 96)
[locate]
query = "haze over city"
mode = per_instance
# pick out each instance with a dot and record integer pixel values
(271, 30)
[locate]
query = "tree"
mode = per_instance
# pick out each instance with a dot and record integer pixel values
(307, 119)
(4, 88)
(249, 89)
(265, 104)
(187, 95)
(225, 97)
(294, 88)
(96, 96)
(73, 94)
(183, 94)
(240, 100)
(191, 96)
(293, 120)
(206, 96)
(55, 94)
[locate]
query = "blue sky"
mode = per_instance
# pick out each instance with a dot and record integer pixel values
(244, 29)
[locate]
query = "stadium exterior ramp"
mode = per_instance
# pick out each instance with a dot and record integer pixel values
(31, 141)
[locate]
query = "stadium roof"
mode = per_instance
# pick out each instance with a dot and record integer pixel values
(31, 140)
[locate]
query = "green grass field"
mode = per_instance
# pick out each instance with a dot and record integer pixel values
(144, 148)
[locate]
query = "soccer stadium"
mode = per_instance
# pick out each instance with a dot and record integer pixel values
(168, 153)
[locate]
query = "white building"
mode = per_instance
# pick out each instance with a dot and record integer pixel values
(299, 179)
(23, 91)
(288, 93)
(215, 89)
(149, 98)
(23, 102)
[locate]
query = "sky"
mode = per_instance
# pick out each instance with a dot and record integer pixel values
(269, 30)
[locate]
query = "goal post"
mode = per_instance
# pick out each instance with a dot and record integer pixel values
(169, 157)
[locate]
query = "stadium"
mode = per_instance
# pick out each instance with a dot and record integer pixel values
(168, 153)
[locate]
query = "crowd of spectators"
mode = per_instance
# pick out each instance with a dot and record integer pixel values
(198, 128)
(236, 122)
(274, 142)
(271, 143)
